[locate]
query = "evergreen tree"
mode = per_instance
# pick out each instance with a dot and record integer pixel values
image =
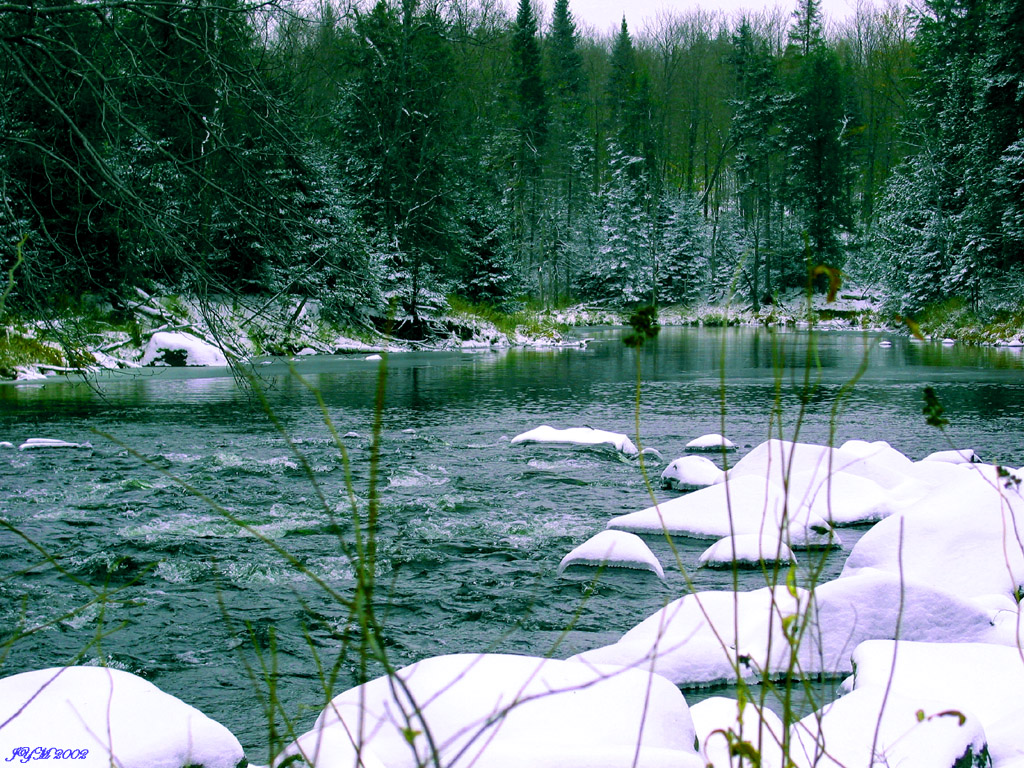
(813, 126)
(395, 129)
(570, 156)
(754, 134)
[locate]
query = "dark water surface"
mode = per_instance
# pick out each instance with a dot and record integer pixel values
(114, 561)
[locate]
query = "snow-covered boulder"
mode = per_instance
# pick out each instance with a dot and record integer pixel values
(614, 548)
(688, 473)
(706, 637)
(958, 456)
(181, 349)
(976, 678)
(961, 537)
(578, 436)
(912, 731)
(99, 716)
(711, 443)
(701, 638)
(500, 711)
(37, 443)
(721, 723)
(748, 550)
(780, 460)
(747, 505)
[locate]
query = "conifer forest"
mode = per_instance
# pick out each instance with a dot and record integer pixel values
(401, 152)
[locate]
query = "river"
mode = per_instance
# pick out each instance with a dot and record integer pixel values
(110, 557)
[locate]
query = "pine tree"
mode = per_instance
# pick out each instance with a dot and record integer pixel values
(754, 134)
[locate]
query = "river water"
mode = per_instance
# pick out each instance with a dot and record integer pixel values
(110, 557)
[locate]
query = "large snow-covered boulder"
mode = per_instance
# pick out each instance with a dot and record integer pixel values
(976, 678)
(500, 711)
(614, 548)
(962, 537)
(748, 505)
(578, 436)
(780, 460)
(707, 637)
(688, 473)
(877, 727)
(181, 349)
(99, 716)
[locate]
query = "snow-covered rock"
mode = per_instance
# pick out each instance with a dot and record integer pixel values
(747, 505)
(911, 731)
(37, 443)
(780, 460)
(578, 436)
(748, 550)
(721, 723)
(500, 711)
(118, 718)
(614, 548)
(976, 678)
(706, 637)
(181, 349)
(688, 473)
(958, 456)
(711, 443)
(961, 537)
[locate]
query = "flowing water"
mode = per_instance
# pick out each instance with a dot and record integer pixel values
(111, 559)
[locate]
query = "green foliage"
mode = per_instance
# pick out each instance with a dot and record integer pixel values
(933, 409)
(644, 325)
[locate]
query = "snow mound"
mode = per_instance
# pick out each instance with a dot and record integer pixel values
(501, 711)
(959, 456)
(706, 637)
(906, 730)
(960, 536)
(711, 443)
(181, 349)
(749, 505)
(689, 473)
(779, 460)
(119, 718)
(614, 548)
(578, 436)
(976, 678)
(747, 550)
(35, 443)
(714, 717)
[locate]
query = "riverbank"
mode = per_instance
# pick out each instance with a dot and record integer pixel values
(172, 329)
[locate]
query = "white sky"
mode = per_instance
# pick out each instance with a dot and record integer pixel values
(606, 15)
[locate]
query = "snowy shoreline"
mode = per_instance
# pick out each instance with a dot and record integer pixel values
(179, 331)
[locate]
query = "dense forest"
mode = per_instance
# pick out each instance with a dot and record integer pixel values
(406, 151)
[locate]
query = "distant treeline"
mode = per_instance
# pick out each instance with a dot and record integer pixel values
(369, 155)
